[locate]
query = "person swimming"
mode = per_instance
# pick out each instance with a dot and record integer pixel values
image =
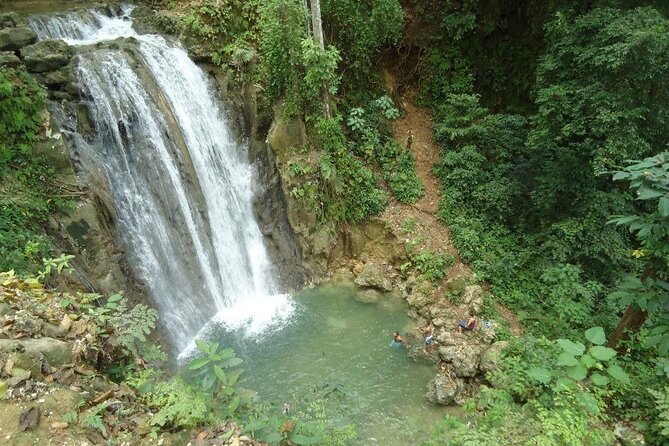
(397, 341)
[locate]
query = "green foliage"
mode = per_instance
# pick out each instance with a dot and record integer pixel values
(662, 408)
(596, 101)
(373, 141)
(429, 265)
(212, 374)
(177, 405)
(575, 364)
(60, 263)
(282, 31)
(311, 426)
(27, 194)
(321, 66)
(359, 29)
(649, 184)
(349, 188)
(21, 105)
(226, 28)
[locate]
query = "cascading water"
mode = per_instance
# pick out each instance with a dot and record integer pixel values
(182, 187)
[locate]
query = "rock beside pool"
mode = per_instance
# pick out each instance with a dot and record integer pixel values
(464, 359)
(444, 390)
(372, 275)
(368, 296)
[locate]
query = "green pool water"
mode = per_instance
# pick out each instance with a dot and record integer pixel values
(338, 349)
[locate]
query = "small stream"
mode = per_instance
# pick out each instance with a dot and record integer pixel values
(337, 349)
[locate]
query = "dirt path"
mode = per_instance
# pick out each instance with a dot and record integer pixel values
(419, 225)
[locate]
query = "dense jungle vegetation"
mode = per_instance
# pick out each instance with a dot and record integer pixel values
(552, 119)
(553, 123)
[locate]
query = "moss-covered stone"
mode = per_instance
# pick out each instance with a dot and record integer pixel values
(13, 39)
(9, 59)
(46, 56)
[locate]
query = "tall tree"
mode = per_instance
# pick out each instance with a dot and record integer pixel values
(317, 27)
(317, 23)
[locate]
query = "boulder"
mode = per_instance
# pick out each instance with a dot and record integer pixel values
(443, 390)
(465, 358)
(13, 39)
(59, 77)
(473, 298)
(29, 353)
(446, 337)
(8, 20)
(418, 299)
(368, 296)
(47, 55)
(628, 436)
(490, 357)
(9, 59)
(373, 276)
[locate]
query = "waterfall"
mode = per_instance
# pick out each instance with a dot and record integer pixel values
(182, 186)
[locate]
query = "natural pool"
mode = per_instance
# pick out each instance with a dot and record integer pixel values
(337, 349)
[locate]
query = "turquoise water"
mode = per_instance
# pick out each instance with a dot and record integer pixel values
(338, 349)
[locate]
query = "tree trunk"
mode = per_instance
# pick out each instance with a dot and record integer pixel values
(317, 27)
(631, 322)
(306, 21)
(316, 23)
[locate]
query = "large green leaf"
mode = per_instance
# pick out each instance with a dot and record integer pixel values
(233, 376)
(198, 363)
(663, 206)
(587, 361)
(539, 374)
(566, 359)
(616, 372)
(602, 353)
(574, 348)
(208, 382)
(647, 193)
(599, 380)
(578, 372)
(203, 346)
(231, 362)
(226, 353)
(595, 335)
(220, 374)
(564, 384)
(234, 404)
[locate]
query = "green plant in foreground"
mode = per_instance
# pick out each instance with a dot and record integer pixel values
(209, 372)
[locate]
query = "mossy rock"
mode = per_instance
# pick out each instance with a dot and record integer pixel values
(47, 55)
(13, 39)
(9, 59)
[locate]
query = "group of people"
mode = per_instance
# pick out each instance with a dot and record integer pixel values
(427, 331)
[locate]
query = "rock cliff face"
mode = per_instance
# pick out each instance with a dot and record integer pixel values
(89, 229)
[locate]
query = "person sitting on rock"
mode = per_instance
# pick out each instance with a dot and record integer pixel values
(427, 333)
(397, 340)
(467, 325)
